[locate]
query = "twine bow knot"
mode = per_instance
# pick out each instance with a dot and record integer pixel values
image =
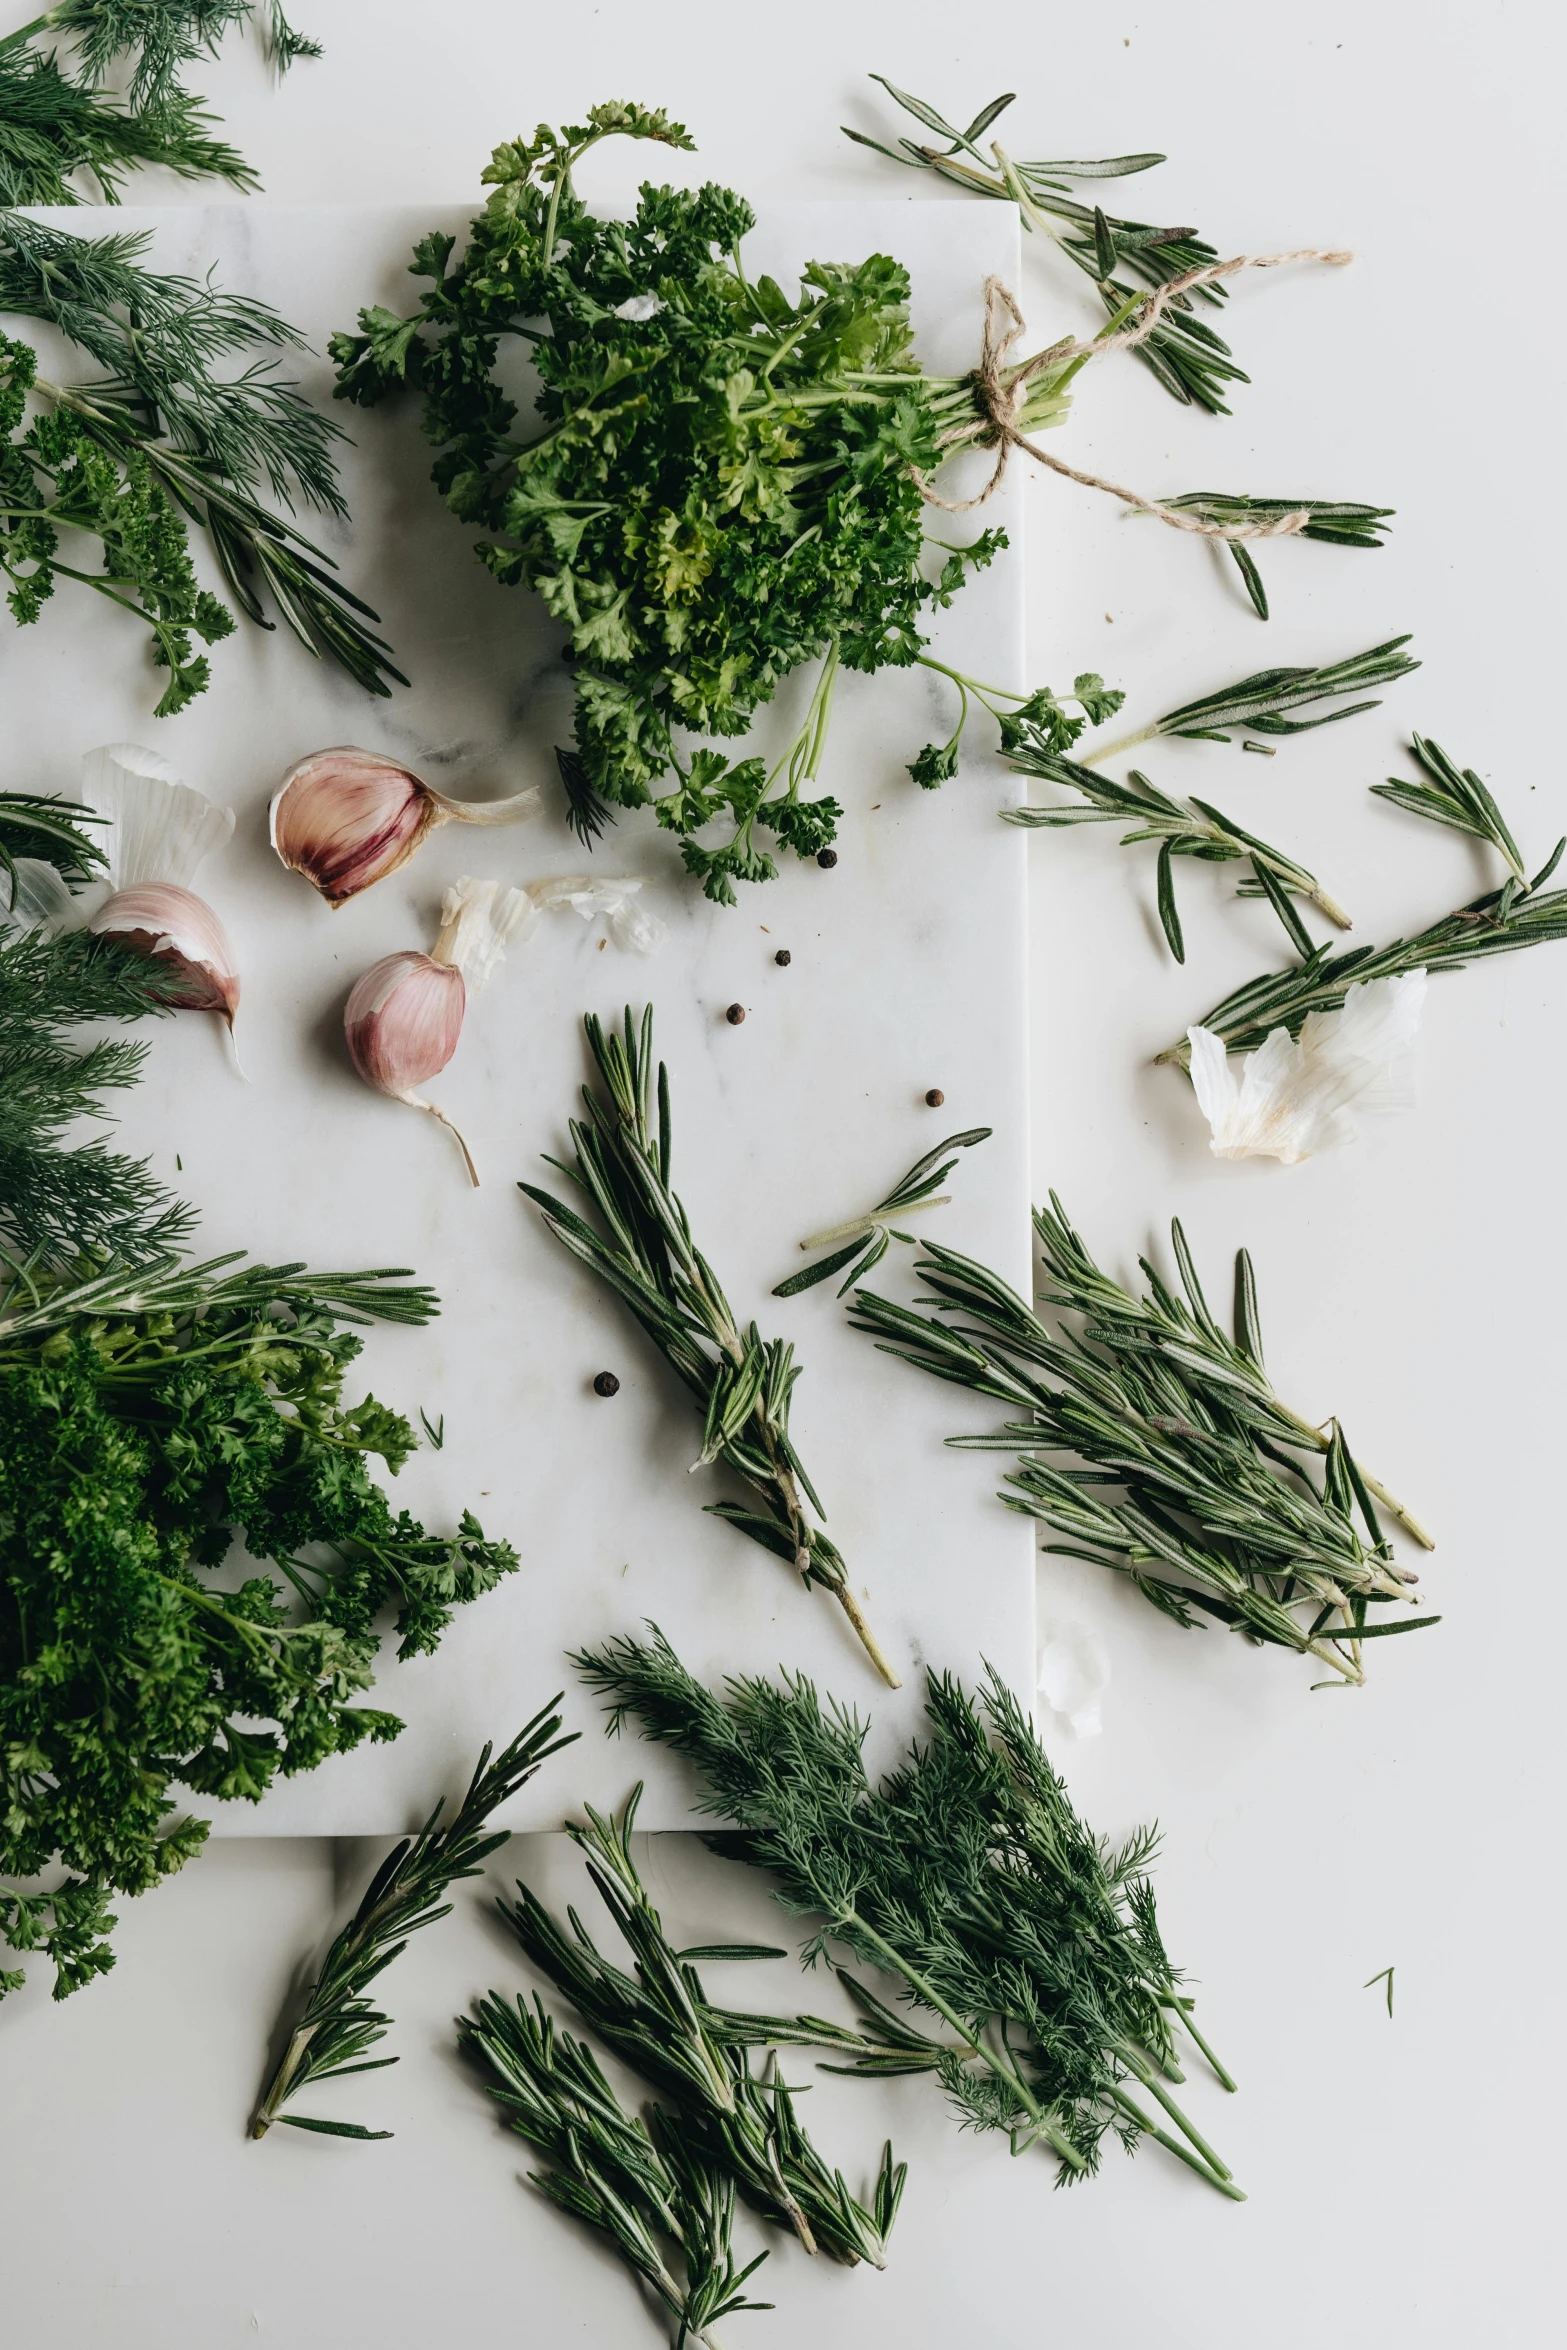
(1001, 393)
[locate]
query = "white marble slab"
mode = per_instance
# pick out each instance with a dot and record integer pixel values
(908, 972)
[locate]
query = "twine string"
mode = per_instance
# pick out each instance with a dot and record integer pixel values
(1001, 393)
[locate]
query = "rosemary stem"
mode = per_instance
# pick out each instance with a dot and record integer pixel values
(868, 1224)
(1405, 1516)
(1127, 742)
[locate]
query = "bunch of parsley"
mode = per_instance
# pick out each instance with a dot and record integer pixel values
(151, 1417)
(722, 486)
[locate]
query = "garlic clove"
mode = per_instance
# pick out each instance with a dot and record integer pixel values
(345, 818)
(402, 1022)
(159, 828)
(177, 928)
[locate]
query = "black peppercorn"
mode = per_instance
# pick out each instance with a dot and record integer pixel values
(783, 957)
(826, 858)
(735, 1014)
(606, 1384)
(935, 1098)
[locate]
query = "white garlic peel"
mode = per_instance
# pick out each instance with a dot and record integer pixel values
(37, 899)
(159, 828)
(1074, 1671)
(1293, 1098)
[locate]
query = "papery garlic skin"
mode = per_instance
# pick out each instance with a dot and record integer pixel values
(36, 896)
(175, 927)
(345, 818)
(159, 828)
(631, 926)
(1291, 1099)
(402, 1022)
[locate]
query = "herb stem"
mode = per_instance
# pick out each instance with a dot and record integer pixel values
(1002, 2067)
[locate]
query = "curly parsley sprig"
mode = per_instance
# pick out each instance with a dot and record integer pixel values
(141, 1438)
(721, 487)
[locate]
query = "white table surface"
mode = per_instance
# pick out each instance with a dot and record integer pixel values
(1405, 2176)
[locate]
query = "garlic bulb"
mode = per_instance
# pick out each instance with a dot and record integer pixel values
(176, 927)
(404, 1017)
(158, 832)
(345, 818)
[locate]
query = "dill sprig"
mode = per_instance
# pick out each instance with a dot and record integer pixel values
(1184, 353)
(60, 1200)
(1522, 913)
(339, 2023)
(966, 1875)
(58, 120)
(635, 2182)
(742, 1383)
(866, 1238)
(1216, 1512)
(658, 2020)
(170, 433)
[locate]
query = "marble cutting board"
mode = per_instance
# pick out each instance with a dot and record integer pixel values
(907, 972)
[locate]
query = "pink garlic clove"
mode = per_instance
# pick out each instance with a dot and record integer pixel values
(345, 818)
(177, 928)
(402, 1022)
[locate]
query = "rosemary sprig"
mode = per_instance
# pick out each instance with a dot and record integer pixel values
(339, 2022)
(866, 1238)
(742, 1383)
(1454, 797)
(36, 1297)
(638, 2183)
(1265, 702)
(658, 2020)
(1333, 523)
(1149, 1395)
(1193, 829)
(1184, 353)
(1500, 922)
(965, 1874)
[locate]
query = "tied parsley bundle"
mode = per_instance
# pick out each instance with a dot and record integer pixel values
(724, 484)
(150, 1416)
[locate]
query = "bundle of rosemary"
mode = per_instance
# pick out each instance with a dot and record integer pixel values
(967, 1876)
(1216, 1512)
(661, 2184)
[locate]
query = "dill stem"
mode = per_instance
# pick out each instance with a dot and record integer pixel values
(1003, 2071)
(1137, 2058)
(1151, 2129)
(1183, 2009)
